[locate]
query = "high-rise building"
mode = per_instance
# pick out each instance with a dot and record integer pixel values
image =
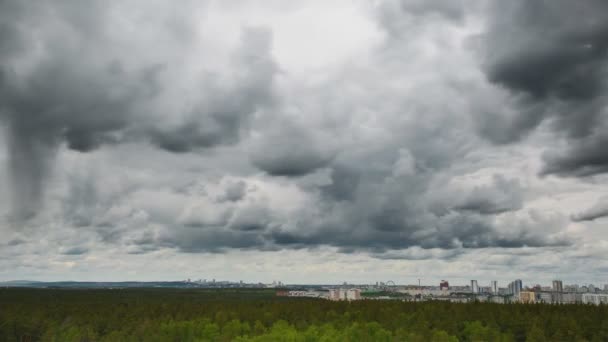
(515, 287)
(494, 287)
(558, 290)
(444, 285)
(474, 286)
(558, 286)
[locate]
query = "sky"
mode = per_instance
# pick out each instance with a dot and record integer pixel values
(304, 142)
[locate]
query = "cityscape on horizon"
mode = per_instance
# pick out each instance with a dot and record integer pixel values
(514, 292)
(262, 140)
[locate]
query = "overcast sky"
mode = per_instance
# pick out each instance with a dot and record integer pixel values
(304, 141)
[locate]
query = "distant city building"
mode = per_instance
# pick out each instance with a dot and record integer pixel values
(544, 297)
(497, 299)
(303, 293)
(353, 294)
(494, 287)
(474, 286)
(570, 298)
(556, 293)
(528, 297)
(344, 294)
(515, 288)
(282, 293)
(558, 286)
(594, 298)
(558, 290)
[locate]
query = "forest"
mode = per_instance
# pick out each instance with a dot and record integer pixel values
(258, 315)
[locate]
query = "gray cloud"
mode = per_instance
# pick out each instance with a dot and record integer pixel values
(76, 251)
(382, 182)
(455, 9)
(585, 157)
(400, 17)
(597, 211)
(225, 111)
(291, 151)
(420, 254)
(502, 196)
(555, 67)
(58, 102)
(551, 53)
(358, 156)
(81, 87)
(16, 242)
(450, 232)
(58, 99)
(234, 191)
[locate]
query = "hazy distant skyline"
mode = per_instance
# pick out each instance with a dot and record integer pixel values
(309, 142)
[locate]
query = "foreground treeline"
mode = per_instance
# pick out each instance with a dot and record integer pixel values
(256, 315)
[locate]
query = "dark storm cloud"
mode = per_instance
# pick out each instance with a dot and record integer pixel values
(597, 211)
(394, 14)
(291, 151)
(65, 77)
(222, 118)
(450, 9)
(234, 192)
(344, 164)
(401, 17)
(381, 198)
(377, 210)
(62, 96)
(291, 163)
(195, 239)
(556, 66)
(344, 183)
(16, 242)
(294, 163)
(502, 196)
(76, 251)
(58, 102)
(414, 254)
(585, 157)
(251, 218)
(543, 49)
(453, 232)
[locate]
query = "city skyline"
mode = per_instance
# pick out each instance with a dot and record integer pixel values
(556, 284)
(515, 292)
(307, 142)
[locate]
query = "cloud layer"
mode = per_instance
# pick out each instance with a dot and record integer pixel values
(555, 67)
(450, 129)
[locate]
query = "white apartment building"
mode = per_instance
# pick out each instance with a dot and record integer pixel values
(344, 294)
(594, 298)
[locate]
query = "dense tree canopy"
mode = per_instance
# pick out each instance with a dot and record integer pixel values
(257, 315)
